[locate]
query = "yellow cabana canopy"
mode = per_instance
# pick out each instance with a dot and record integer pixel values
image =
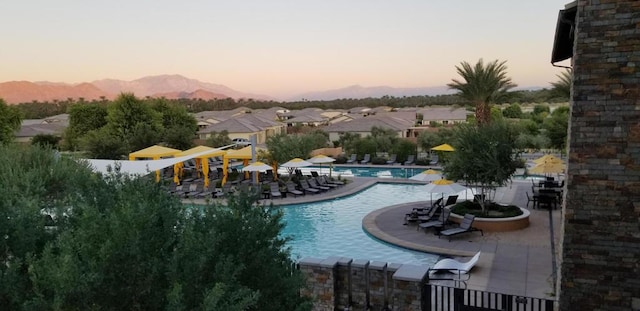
(548, 168)
(200, 161)
(154, 152)
(443, 147)
(547, 159)
(238, 154)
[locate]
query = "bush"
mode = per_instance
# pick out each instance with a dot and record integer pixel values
(378, 160)
(493, 210)
(341, 159)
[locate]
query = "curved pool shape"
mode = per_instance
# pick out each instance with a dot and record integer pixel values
(334, 227)
(360, 171)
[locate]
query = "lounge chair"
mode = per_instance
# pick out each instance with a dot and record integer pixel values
(291, 188)
(332, 182)
(465, 226)
(274, 188)
(314, 173)
(455, 266)
(441, 222)
(392, 159)
(312, 182)
(434, 161)
(410, 159)
(352, 159)
(323, 182)
(452, 199)
(307, 189)
(194, 189)
(366, 159)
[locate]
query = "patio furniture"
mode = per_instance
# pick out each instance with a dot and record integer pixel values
(323, 182)
(392, 159)
(533, 198)
(410, 159)
(466, 226)
(291, 188)
(455, 266)
(274, 190)
(366, 159)
(312, 182)
(439, 223)
(307, 189)
(352, 159)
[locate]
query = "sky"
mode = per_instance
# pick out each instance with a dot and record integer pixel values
(278, 48)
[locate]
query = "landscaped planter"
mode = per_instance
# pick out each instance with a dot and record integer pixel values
(497, 224)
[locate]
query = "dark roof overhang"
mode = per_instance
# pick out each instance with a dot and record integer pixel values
(565, 33)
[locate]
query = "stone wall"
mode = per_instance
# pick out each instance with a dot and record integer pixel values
(600, 265)
(339, 283)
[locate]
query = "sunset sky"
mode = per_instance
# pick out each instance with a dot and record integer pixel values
(276, 47)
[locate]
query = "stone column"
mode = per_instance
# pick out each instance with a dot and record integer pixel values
(359, 285)
(320, 278)
(408, 281)
(343, 283)
(377, 285)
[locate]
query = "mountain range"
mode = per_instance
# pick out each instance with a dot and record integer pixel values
(177, 86)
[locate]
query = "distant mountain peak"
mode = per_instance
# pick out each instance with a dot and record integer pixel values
(357, 92)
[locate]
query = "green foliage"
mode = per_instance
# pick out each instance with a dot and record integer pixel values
(556, 127)
(347, 141)
(10, 121)
(562, 88)
(127, 112)
(104, 144)
(496, 114)
(125, 244)
(83, 118)
(46, 140)
(482, 86)
(403, 149)
(39, 110)
(541, 109)
(513, 111)
(218, 139)
(492, 210)
(285, 147)
(484, 156)
(427, 139)
(179, 126)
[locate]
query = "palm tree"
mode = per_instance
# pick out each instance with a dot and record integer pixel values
(562, 87)
(482, 86)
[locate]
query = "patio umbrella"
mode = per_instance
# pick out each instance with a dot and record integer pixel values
(320, 159)
(548, 168)
(292, 164)
(257, 167)
(547, 158)
(427, 175)
(444, 186)
(443, 147)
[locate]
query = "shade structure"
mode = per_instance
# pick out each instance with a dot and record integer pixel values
(444, 186)
(295, 163)
(427, 175)
(154, 152)
(547, 159)
(320, 159)
(201, 161)
(443, 147)
(244, 154)
(257, 167)
(548, 168)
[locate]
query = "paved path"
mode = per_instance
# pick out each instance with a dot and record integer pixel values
(517, 262)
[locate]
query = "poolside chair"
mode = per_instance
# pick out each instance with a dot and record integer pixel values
(332, 182)
(312, 182)
(194, 189)
(274, 189)
(366, 159)
(323, 182)
(307, 189)
(455, 266)
(465, 226)
(431, 214)
(434, 160)
(533, 198)
(352, 159)
(291, 188)
(392, 159)
(441, 222)
(314, 173)
(452, 199)
(410, 159)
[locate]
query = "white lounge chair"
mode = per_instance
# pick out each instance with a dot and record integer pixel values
(455, 266)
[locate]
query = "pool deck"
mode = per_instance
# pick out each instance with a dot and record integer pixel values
(516, 262)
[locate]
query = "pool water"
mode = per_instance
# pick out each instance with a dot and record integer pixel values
(361, 171)
(334, 227)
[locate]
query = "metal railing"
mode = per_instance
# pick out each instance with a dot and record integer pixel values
(445, 298)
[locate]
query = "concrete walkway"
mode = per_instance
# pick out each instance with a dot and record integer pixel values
(517, 262)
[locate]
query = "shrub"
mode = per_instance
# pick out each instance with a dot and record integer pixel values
(378, 160)
(493, 210)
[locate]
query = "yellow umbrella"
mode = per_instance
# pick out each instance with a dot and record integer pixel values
(547, 158)
(427, 175)
(443, 147)
(548, 168)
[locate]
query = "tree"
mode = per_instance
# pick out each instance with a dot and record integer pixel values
(83, 118)
(562, 88)
(104, 144)
(556, 127)
(484, 156)
(127, 113)
(121, 243)
(285, 147)
(46, 140)
(10, 122)
(218, 139)
(513, 111)
(482, 86)
(179, 126)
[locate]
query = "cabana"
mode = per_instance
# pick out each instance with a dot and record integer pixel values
(154, 152)
(201, 161)
(243, 154)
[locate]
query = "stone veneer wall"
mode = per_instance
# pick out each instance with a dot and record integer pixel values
(600, 265)
(366, 285)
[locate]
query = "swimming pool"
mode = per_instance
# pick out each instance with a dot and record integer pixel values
(334, 227)
(361, 171)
